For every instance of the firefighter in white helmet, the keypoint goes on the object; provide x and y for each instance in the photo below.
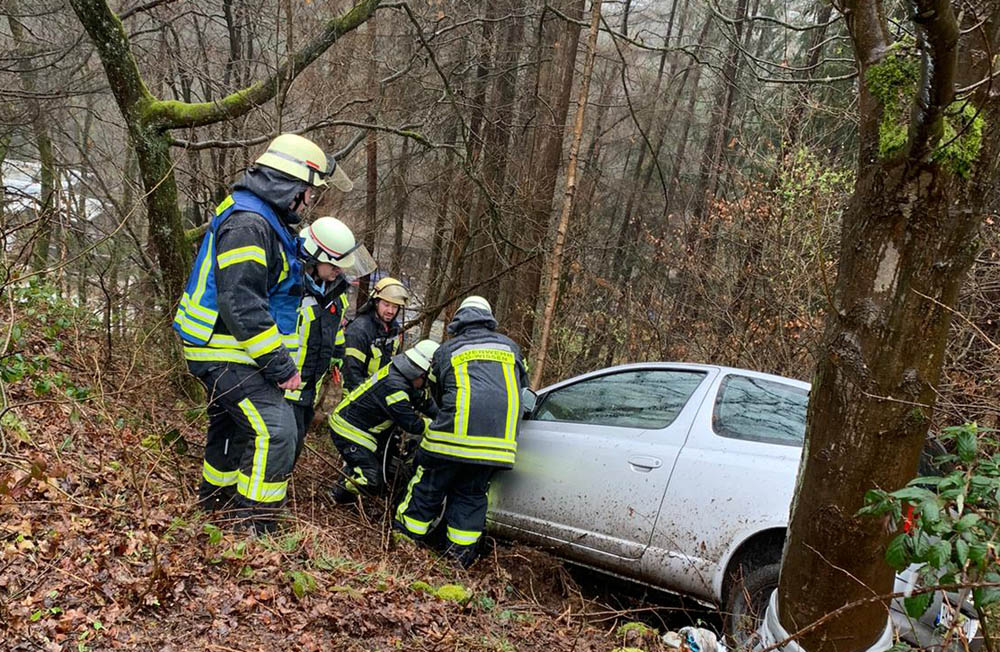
(395, 395)
(237, 319)
(374, 335)
(476, 380)
(333, 260)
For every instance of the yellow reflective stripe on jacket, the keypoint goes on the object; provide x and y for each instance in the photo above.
(463, 452)
(463, 537)
(307, 315)
(263, 343)
(208, 354)
(216, 477)
(344, 429)
(513, 402)
(473, 442)
(284, 267)
(199, 331)
(224, 204)
(229, 342)
(242, 255)
(374, 362)
(396, 397)
(341, 339)
(254, 487)
(200, 312)
(206, 267)
(355, 353)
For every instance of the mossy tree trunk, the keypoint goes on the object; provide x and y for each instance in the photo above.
(149, 120)
(908, 241)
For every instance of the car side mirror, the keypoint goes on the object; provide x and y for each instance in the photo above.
(529, 399)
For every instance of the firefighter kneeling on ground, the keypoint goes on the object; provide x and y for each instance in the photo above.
(362, 421)
(476, 381)
(332, 260)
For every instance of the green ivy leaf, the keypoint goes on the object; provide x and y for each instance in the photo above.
(896, 553)
(916, 605)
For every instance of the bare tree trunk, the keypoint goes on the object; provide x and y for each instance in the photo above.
(554, 85)
(43, 142)
(711, 159)
(399, 212)
(555, 262)
(371, 155)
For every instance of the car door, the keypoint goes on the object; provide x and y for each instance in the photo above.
(595, 457)
(734, 477)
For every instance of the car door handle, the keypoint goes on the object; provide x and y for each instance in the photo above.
(644, 463)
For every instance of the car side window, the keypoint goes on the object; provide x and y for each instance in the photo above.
(755, 409)
(644, 398)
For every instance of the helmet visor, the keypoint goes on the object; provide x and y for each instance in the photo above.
(336, 176)
(355, 263)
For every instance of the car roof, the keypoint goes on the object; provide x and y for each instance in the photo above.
(692, 366)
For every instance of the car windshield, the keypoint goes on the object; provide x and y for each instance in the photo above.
(760, 410)
(643, 398)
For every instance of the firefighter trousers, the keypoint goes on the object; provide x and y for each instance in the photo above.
(462, 487)
(252, 436)
(362, 468)
(303, 418)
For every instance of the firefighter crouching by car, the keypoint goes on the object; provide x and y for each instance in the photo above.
(332, 260)
(391, 397)
(237, 318)
(476, 380)
(373, 337)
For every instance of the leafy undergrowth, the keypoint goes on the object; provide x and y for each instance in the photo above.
(101, 548)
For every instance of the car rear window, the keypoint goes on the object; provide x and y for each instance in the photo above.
(760, 410)
(643, 398)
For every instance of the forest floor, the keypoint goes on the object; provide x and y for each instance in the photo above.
(101, 546)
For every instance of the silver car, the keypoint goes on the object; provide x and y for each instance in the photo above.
(676, 475)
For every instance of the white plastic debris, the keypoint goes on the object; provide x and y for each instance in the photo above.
(694, 639)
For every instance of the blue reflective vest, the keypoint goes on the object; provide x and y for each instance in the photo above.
(199, 305)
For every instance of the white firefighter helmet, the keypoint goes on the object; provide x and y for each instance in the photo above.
(328, 240)
(475, 302)
(422, 353)
(303, 159)
(391, 290)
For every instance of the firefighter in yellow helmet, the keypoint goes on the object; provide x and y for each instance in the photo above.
(374, 335)
(237, 319)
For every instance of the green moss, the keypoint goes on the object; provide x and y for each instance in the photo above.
(421, 587)
(637, 629)
(894, 83)
(453, 593)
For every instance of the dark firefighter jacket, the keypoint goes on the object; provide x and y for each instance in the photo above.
(476, 380)
(382, 400)
(370, 345)
(321, 337)
(252, 270)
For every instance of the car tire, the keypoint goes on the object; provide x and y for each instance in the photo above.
(747, 601)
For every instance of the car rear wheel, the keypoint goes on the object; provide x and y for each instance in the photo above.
(747, 602)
